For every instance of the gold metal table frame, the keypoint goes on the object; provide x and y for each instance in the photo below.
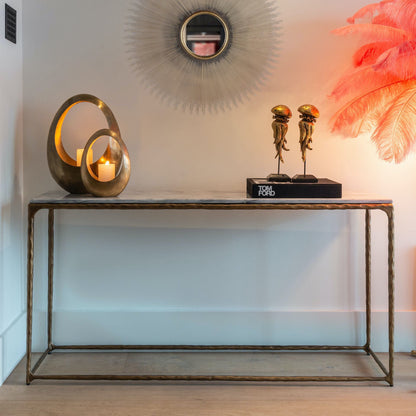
(57, 201)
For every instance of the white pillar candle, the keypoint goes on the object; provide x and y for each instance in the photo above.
(106, 171)
(80, 152)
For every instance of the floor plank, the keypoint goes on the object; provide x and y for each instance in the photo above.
(50, 398)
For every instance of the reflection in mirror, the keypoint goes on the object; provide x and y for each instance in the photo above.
(204, 35)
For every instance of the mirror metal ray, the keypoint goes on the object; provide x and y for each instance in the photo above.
(217, 52)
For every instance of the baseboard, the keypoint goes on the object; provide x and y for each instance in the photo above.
(225, 327)
(12, 346)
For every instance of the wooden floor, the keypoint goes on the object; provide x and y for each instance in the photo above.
(47, 398)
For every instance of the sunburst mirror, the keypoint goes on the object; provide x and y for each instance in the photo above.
(203, 54)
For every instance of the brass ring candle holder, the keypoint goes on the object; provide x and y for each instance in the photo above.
(64, 169)
(109, 175)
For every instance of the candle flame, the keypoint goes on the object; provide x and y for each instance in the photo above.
(104, 162)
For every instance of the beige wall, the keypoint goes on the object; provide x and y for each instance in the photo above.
(217, 266)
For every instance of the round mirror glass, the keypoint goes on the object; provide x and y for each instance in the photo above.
(204, 35)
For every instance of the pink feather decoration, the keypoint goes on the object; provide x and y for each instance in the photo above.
(399, 61)
(396, 130)
(403, 12)
(369, 53)
(373, 32)
(366, 11)
(380, 88)
(362, 113)
(383, 19)
(361, 80)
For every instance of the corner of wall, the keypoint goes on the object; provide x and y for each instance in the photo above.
(12, 287)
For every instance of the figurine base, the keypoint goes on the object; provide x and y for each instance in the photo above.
(304, 179)
(278, 177)
(323, 188)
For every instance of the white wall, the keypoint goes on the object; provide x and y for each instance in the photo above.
(12, 316)
(209, 277)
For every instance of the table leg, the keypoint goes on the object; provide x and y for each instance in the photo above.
(51, 236)
(368, 278)
(390, 216)
(30, 243)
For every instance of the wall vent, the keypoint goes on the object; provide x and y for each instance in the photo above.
(10, 23)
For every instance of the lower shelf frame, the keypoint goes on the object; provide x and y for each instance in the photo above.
(231, 378)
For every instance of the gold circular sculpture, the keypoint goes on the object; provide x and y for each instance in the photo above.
(116, 154)
(63, 167)
(218, 38)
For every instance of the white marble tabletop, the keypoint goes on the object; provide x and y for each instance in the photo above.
(61, 197)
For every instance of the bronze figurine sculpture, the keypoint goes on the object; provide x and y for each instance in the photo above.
(282, 115)
(308, 114)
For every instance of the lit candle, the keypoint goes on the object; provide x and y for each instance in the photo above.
(106, 171)
(80, 152)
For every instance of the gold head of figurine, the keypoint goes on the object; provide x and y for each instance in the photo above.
(282, 115)
(308, 114)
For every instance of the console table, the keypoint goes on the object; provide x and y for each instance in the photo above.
(59, 201)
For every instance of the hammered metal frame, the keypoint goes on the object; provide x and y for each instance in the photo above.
(63, 167)
(387, 208)
(116, 154)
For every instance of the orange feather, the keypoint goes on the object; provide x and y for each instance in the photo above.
(384, 19)
(395, 135)
(365, 11)
(383, 79)
(362, 113)
(368, 54)
(362, 80)
(399, 61)
(403, 12)
(374, 32)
